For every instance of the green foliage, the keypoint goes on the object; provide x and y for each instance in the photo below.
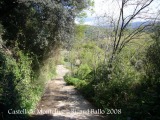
(133, 90)
(151, 82)
(33, 30)
(83, 71)
(45, 73)
(80, 31)
(88, 53)
(16, 80)
(39, 26)
(132, 82)
(71, 81)
(82, 85)
(20, 86)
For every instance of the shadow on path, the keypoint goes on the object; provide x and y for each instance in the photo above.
(64, 102)
(49, 117)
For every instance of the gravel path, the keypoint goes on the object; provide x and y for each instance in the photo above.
(63, 102)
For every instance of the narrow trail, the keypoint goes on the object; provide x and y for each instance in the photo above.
(63, 102)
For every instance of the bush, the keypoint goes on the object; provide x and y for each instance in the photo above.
(20, 86)
(70, 80)
(83, 71)
(15, 80)
(135, 91)
(82, 85)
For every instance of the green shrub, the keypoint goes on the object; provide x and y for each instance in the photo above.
(71, 81)
(85, 87)
(20, 86)
(83, 71)
(15, 79)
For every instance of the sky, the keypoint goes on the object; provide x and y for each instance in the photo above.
(111, 8)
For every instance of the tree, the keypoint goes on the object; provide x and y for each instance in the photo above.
(39, 26)
(120, 34)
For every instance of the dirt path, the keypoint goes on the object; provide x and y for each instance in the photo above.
(63, 102)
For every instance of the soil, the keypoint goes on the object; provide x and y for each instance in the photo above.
(63, 102)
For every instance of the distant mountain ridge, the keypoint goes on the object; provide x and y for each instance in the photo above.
(132, 25)
(137, 24)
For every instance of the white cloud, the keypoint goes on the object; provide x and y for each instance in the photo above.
(111, 8)
(77, 22)
(102, 7)
(89, 23)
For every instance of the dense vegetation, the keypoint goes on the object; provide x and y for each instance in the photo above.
(116, 69)
(133, 84)
(31, 34)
